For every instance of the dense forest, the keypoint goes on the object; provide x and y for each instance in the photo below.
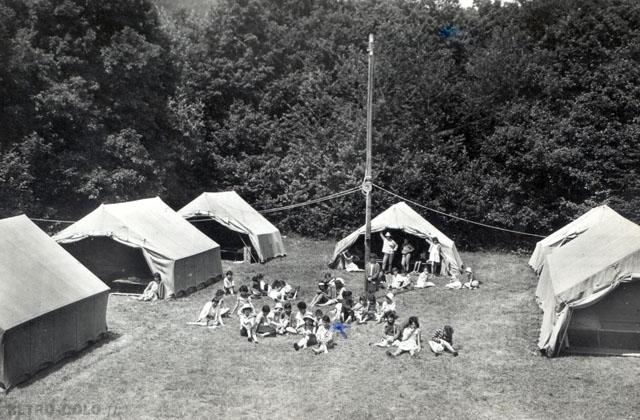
(517, 115)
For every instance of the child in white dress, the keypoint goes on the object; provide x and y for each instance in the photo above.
(424, 280)
(409, 339)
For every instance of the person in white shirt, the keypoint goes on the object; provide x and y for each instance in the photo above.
(153, 291)
(423, 279)
(434, 256)
(389, 247)
(324, 336)
(399, 281)
(388, 306)
(228, 284)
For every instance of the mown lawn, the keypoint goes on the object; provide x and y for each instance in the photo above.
(156, 366)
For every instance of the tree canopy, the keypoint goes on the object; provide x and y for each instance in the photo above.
(517, 115)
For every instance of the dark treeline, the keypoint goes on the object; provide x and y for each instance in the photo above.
(520, 116)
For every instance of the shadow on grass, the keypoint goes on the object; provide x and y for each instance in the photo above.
(52, 367)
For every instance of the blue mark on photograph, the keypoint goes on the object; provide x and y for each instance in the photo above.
(341, 328)
(449, 31)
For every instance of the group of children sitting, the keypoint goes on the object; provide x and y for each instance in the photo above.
(316, 330)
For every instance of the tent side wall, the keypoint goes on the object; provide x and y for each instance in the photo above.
(271, 245)
(28, 347)
(196, 269)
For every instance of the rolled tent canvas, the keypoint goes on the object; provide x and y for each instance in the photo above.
(50, 304)
(582, 273)
(231, 211)
(402, 217)
(569, 232)
(171, 246)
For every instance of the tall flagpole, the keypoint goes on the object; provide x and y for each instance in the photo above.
(367, 174)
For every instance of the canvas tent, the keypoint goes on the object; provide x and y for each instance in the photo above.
(235, 224)
(166, 242)
(50, 304)
(569, 232)
(407, 222)
(589, 291)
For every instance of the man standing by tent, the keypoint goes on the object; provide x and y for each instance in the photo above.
(389, 247)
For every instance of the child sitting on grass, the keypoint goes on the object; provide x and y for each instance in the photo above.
(323, 294)
(371, 311)
(212, 312)
(408, 340)
(242, 298)
(324, 336)
(256, 288)
(228, 284)
(263, 325)
(390, 332)
(276, 318)
(399, 281)
(424, 279)
(308, 332)
(471, 283)
(347, 315)
(248, 323)
(296, 326)
(338, 284)
(454, 283)
(288, 318)
(388, 306)
(442, 341)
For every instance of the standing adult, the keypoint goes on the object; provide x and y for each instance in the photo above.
(389, 247)
(434, 256)
(407, 250)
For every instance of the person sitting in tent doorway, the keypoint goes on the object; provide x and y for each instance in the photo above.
(389, 247)
(375, 275)
(154, 290)
(407, 251)
(421, 262)
(434, 256)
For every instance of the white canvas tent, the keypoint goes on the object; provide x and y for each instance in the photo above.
(583, 280)
(569, 232)
(403, 218)
(170, 245)
(50, 304)
(231, 211)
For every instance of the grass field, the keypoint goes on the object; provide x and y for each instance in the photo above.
(153, 365)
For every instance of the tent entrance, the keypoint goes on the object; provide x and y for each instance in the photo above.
(611, 326)
(420, 244)
(121, 267)
(232, 243)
